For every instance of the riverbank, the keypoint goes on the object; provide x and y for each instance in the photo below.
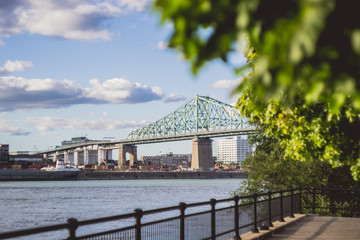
(111, 175)
(37, 175)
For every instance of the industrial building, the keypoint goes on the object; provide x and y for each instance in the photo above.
(166, 160)
(4, 152)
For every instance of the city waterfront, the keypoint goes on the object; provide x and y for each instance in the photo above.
(30, 204)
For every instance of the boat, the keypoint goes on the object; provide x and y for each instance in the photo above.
(60, 167)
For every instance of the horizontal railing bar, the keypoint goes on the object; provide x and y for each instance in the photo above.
(106, 219)
(265, 200)
(246, 204)
(197, 204)
(225, 200)
(224, 208)
(28, 231)
(160, 210)
(159, 221)
(197, 213)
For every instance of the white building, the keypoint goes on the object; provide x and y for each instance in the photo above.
(232, 149)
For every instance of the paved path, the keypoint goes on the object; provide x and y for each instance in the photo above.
(318, 227)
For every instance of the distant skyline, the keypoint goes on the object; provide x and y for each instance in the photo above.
(96, 69)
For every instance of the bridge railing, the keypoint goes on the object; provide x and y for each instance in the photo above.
(214, 219)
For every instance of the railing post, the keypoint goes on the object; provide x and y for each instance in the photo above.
(281, 207)
(270, 213)
(236, 218)
(213, 219)
(138, 216)
(72, 228)
(300, 202)
(313, 200)
(292, 203)
(255, 228)
(182, 206)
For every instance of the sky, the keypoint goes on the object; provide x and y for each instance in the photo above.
(97, 69)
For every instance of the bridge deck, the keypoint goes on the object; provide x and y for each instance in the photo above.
(316, 227)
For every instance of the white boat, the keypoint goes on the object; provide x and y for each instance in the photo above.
(60, 167)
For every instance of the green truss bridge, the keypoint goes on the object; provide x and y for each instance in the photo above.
(201, 116)
(199, 119)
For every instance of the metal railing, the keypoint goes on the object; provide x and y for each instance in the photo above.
(332, 201)
(214, 219)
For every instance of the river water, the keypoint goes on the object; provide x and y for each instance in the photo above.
(33, 204)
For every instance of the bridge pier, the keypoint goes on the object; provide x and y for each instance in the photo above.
(132, 150)
(66, 157)
(76, 158)
(56, 157)
(202, 154)
(87, 155)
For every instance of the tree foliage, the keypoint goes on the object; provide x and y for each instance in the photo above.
(304, 56)
(270, 170)
(313, 45)
(309, 132)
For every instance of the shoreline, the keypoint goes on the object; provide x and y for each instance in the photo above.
(37, 175)
(118, 175)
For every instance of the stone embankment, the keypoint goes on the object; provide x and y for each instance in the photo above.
(98, 175)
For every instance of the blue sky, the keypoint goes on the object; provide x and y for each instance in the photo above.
(93, 68)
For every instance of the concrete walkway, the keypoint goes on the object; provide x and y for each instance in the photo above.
(310, 227)
(318, 227)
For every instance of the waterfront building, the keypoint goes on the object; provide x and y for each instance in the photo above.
(25, 156)
(26, 159)
(4, 152)
(232, 150)
(166, 160)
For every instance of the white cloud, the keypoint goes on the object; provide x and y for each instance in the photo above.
(174, 97)
(6, 126)
(118, 90)
(70, 19)
(227, 84)
(15, 66)
(138, 5)
(161, 45)
(21, 93)
(45, 124)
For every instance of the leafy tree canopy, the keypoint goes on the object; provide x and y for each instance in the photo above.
(304, 88)
(269, 169)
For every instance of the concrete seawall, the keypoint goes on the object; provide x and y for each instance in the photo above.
(37, 175)
(98, 175)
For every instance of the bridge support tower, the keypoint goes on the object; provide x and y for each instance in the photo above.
(202, 154)
(132, 150)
